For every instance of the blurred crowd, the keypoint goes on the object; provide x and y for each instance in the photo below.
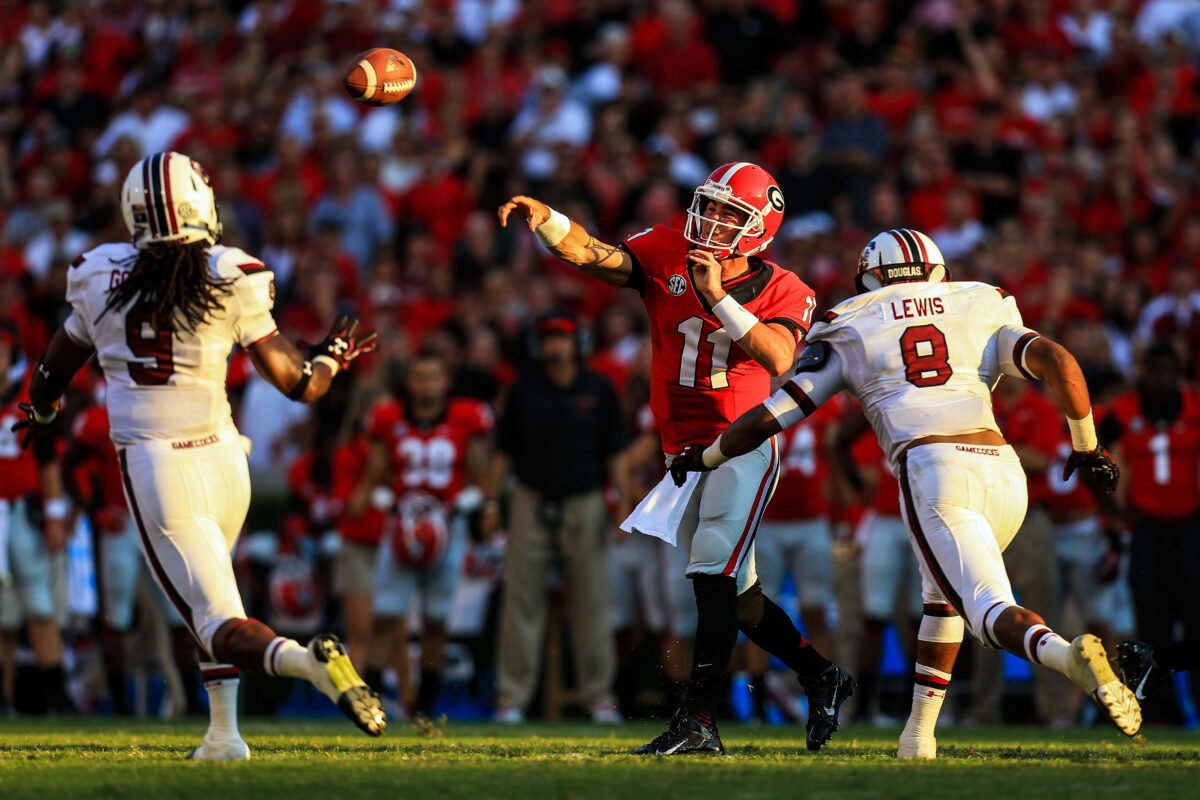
(1051, 147)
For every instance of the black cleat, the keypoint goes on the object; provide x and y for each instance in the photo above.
(1139, 671)
(686, 734)
(826, 693)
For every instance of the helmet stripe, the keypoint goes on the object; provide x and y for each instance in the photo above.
(903, 245)
(156, 194)
(912, 242)
(733, 170)
(166, 179)
(147, 198)
(917, 237)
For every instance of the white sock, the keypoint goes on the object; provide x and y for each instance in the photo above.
(929, 691)
(221, 682)
(1044, 646)
(287, 657)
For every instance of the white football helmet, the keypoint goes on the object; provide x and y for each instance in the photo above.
(168, 197)
(900, 256)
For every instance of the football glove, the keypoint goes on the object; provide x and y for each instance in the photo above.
(31, 428)
(1104, 470)
(344, 342)
(691, 459)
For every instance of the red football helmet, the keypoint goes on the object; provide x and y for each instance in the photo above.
(747, 187)
(421, 535)
(295, 592)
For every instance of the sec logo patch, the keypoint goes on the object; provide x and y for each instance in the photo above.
(677, 285)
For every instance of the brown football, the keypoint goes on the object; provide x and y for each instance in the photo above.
(380, 76)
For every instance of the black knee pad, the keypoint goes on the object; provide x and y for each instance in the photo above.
(750, 606)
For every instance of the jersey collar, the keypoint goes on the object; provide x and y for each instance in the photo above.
(743, 288)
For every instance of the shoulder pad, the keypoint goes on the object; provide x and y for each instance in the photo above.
(814, 357)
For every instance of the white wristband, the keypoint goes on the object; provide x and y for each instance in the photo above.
(46, 419)
(1083, 434)
(553, 230)
(712, 455)
(737, 320)
(328, 361)
(57, 508)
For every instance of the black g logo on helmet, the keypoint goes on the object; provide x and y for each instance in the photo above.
(775, 198)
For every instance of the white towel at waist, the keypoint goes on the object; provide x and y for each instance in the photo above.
(661, 511)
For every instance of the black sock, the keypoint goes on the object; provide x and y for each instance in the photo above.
(116, 691)
(758, 693)
(373, 677)
(428, 691)
(1178, 656)
(716, 635)
(864, 692)
(776, 634)
(54, 688)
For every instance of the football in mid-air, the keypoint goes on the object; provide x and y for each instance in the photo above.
(380, 76)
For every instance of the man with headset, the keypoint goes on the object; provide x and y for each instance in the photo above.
(559, 432)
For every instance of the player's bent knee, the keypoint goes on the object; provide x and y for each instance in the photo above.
(942, 630)
(750, 607)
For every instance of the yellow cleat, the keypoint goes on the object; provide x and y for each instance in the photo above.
(1091, 671)
(337, 679)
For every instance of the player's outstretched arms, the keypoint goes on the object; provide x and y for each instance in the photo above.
(305, 375)
(57, 366)
(1050, 361)
(742, 436)
(569, 241)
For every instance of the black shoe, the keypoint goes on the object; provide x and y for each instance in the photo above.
(1139, 671)
(826, 693)
(686, 734)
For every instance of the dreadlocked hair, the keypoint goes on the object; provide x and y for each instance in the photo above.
(170, 277)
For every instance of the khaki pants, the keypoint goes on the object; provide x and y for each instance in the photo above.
(582, 544)
(1033, 571)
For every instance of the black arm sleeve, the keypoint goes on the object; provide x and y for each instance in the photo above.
(637, 276)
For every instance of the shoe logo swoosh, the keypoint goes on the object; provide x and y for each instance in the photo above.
(1138, 691)
(673, 749)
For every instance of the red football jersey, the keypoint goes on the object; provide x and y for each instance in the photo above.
(430, 457)
(18, 468)
(1064, 497)
(803, 490)
(1162, 462)
(101, 469)
(349, 464)
(700, 380)
(866, 452)
(1036, 422)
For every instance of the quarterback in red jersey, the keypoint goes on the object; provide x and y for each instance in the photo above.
(432, 447)
(722, 322)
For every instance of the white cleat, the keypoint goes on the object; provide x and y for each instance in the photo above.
(221, 749)
(508, 715)
(1090, 670)
(916, 747)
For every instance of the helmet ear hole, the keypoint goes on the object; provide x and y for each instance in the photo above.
(867, 282)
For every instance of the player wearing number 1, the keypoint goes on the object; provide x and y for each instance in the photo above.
(922, 355)
(161, 314)
(723, 321)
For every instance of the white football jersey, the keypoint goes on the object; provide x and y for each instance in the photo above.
(922, 358)
(164, 381)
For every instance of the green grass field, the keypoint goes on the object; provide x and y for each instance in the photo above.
(327, 759)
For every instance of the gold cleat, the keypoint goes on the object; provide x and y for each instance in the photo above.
(338, 680)
(1091, 671)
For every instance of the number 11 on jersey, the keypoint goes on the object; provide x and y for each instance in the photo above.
(689, 363)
